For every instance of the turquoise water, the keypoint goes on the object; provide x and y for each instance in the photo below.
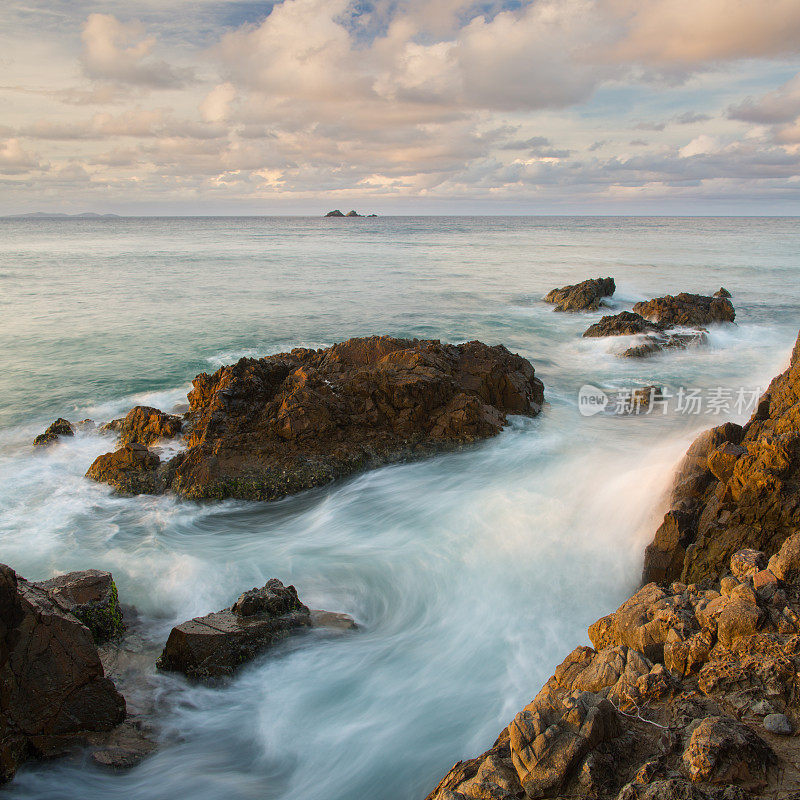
(471, 575)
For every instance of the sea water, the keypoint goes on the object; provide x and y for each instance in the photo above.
(471, 575)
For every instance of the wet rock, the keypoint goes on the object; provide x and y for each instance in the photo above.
(91, 596)
(61, 427)
(146, 425)
(264, 428)
(664, 341)
(625, 323)
(722, 750)
(722, 292)
(217, 644)
(686, 309)
(778, 724)
(584, 296)
(133, 469)
(54, 690)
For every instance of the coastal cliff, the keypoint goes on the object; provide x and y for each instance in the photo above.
(690, 690)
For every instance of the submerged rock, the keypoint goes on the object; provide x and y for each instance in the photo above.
(53, 691)
(217, 644)
(91, 596)
(263, 428)
(687, 309)
(664, 341)
(584, 296)
(61, 427)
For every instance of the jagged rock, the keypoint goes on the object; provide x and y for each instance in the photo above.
(549, 741)
(722, 750)
(785, 564)
(670, 789)
(584, 296)
(53, 690)
(133, 469)
(61, 427)
(217, 644)
(623, 324)
(778, 724)
(686, 309)
(352, 213)
(334, 213)
(746, 563)
(722, 292)
(722, 460)
(91, 596)
(757, 506)
(146, 425)
(264, 428)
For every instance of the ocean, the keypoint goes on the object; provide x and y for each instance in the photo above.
(471, 574)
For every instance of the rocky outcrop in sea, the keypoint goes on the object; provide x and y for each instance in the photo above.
(584, 296)
(264, 428)
(690, 690)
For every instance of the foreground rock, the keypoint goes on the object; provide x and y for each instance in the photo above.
(61, 427)
(691, 689)
(91, 596)
(53, 691)
(584, 296)
(217, 644)
(264, 428)
(677, 698)
(736, 488)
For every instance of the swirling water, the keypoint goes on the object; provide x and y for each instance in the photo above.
(471, 574)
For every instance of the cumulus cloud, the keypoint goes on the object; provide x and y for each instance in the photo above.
(782, 105)
(121, 52)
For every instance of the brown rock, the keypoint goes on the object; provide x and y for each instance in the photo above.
(785, 564)
(686, 309)
(53, 689)
(584, 296)
(61, 427)
(217, 644)
(623, 324)
(747, 562)
(264, 428)
(722, 460)
(664, 341)
(132, 469)
(147, 425)
(722, 750)
(91, 596)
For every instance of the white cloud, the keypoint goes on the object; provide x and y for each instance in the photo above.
(121, 52)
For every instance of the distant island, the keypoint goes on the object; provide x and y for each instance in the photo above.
(48, 215)
(337, 213)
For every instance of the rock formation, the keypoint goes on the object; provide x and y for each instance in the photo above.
(691, 689)
(687, 309)
(264, 428)
(656, 319)
(584, 296)
(91, 596)
(61, 427)
(334, 213)
(217, 644)
(53, 691)
(686, 693)
(736, 488)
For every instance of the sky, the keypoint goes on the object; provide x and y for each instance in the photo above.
(400, 106)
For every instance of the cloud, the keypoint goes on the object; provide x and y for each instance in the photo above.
(14, 160)
(113, 51)
(782, 105)
(687, 33)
